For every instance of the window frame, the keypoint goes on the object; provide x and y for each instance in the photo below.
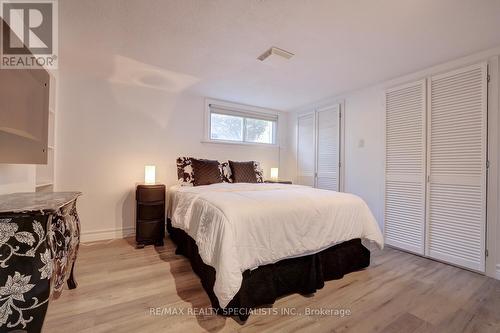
(245, 112)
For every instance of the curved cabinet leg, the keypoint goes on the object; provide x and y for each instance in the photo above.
(71, 280)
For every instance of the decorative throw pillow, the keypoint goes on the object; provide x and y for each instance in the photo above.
(185, 171)
(225, 170)
(206, 172)
(243, 172)
(258, 172)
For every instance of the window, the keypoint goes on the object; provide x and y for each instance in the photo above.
(228, 124)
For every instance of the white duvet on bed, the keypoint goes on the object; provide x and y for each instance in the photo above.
(243, 226)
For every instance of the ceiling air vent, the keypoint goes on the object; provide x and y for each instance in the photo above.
(275, 51)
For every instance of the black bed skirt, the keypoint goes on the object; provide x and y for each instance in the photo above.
(263, 285)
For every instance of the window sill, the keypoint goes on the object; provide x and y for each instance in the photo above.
(238, 143)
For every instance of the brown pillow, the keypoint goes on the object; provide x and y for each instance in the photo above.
(206, 172)
(243, 172)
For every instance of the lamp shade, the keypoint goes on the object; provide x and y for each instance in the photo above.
(274, 173)
(149, 174)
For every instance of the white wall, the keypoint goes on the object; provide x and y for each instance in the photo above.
(364, 148)
(364, 166)
(17, 178)
(123, 102)
(108, 131)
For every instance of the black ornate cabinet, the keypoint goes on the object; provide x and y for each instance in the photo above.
(39, 239)
(150, 215)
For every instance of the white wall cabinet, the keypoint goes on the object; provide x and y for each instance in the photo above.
(45, 173)
(457, 148)
(305, 150)
(405, 167)
(328, 148)
(436, 151)
(319, 148)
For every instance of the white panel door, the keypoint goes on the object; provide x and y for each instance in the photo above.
(405, 167)
(328, 148)
(457, 128)
(305, 150)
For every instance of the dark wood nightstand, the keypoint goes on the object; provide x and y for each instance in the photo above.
(150, 215)
(278, 181)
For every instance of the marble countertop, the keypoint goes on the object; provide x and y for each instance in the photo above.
(28, 202)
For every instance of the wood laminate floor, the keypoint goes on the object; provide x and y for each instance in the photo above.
(120, 287)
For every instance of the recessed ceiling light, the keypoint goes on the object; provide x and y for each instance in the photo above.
(275, 51)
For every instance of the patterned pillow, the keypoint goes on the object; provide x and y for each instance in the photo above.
(225, 170)
(185, 172)
(206, 172)
(258, 172)
(243, 172)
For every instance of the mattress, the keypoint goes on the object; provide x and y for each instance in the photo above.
(243, 226)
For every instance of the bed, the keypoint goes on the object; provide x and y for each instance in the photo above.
(251, 243)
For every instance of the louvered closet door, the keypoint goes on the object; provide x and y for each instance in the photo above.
(457, 129)
(305, 150)
(405, 167)
(328, 148)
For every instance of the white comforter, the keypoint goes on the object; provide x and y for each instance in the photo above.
(242, 226)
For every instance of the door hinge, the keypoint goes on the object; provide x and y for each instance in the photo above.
(340, 114)
(428, 178)
(488, 78)
(487, 164)
(340, 164)
(486, 253)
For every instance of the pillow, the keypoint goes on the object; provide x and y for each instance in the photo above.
(243, 172)
(185, 171)
(258, 172)
(206, 172)
(225, 170)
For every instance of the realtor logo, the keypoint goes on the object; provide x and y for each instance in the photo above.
(29, 34)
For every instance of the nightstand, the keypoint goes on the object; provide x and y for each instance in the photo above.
(150, 215)
(278, 181)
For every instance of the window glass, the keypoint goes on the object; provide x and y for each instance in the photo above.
(225, 127)
(259, 130)
(229, 125)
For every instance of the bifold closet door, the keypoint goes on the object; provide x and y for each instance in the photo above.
(305, 150)
(456, 194)
(328, 148)
(405, 167)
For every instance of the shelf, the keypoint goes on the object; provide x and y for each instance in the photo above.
(49, 187)
(44, 184)
(18, 132)
(44, 173)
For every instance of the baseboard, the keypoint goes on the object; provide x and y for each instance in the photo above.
(91, 236)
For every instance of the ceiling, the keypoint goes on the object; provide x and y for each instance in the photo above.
(209, 47)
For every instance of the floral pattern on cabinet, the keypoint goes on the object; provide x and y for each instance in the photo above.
(38, 248)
